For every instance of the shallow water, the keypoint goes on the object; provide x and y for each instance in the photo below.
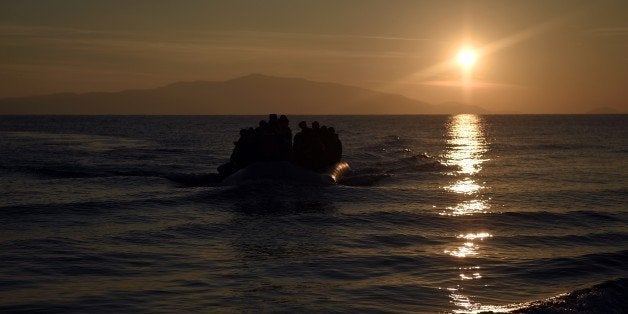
(442, 214)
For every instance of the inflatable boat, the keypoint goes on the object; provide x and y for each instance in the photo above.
(288, 171)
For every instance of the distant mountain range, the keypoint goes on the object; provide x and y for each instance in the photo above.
(251, 94)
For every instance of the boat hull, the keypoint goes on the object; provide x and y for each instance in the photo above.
(288, 171)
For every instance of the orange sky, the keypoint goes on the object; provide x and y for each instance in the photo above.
(539, 56)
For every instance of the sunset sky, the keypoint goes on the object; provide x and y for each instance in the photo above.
(533, 56)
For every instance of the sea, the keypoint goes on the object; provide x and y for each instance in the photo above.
(441, 214)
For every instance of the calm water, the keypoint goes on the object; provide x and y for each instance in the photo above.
(443, 214)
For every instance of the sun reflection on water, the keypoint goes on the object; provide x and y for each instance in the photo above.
(468, 247)
(473, 236)
(467, 143)
(464, 186)
(470, 207)
(466, 149)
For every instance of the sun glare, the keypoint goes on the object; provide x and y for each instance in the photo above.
(467, 57)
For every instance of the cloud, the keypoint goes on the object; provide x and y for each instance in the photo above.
(608, 31)
(472, 84)
(202, 44)
(340, 36)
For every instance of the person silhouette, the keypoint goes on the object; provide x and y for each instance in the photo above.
(285, 137)
(317, 148)
(301, 146)
(313, 148)
(335, 146)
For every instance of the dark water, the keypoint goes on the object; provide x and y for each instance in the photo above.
(443, 214)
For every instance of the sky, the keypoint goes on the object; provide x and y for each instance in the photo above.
(533, 56)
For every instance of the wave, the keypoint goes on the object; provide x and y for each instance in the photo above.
(521, 220)
(364, 179)
(549, 270)
(365, 176)
(606, 297)
(69, 257)
(590, 239)
(565, 146)
(372, 173)
(194, 180)
(89, 207)
(419, 163)
(577, 194)
(271, 198)
(394, 154)
(390, 143)
(547, 146)
(578, 217)
(79, 172)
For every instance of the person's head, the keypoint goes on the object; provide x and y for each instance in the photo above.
(303, 125)
(272, 118)
(331, 130)
(315, 125)
(283, 121)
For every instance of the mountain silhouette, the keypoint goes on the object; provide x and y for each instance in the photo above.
(251, 94)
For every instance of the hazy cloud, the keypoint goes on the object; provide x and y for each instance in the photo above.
(473, 84)
(609, 31)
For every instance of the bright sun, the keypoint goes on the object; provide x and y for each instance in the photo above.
(467, 57)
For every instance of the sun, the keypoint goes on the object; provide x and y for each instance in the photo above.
(466, 58)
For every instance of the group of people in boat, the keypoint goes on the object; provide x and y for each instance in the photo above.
(314, 147)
